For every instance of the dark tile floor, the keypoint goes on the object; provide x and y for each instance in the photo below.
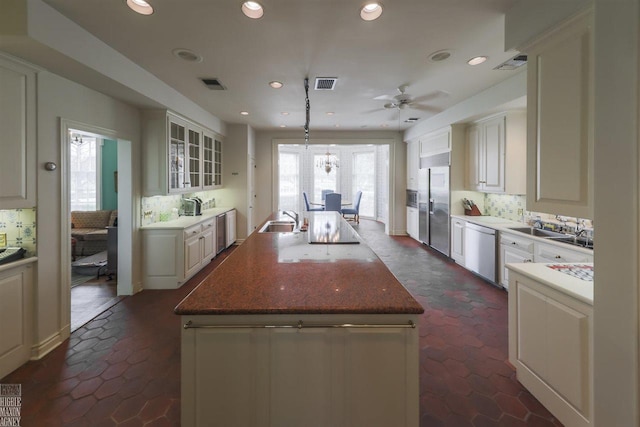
(123, 368)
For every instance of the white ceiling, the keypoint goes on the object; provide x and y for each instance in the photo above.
(309, 38)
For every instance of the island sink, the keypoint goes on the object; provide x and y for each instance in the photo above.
(277, 226)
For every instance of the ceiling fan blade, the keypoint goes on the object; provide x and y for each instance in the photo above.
(426, 108)
(430, 96)
(391, 105)
(385, 98)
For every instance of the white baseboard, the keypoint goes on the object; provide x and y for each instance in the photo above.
(38, 351)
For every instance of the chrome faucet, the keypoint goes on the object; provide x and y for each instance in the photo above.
(580, 227)
(294, 217)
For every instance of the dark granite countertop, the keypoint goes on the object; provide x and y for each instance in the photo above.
(282, 273)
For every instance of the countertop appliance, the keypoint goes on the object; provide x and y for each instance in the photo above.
(480, 250)
(192, 206)
(433, 201)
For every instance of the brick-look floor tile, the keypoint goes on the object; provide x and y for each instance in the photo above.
(118, 370)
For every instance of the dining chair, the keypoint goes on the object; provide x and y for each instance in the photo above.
(355, 211)
(325, 192)
(332, 202)
(306, 203)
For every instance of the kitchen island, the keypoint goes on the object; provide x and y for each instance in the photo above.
(290, 333)
(551, 336)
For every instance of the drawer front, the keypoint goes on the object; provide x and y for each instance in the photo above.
(516, 242)
(207, 225)
(194, 230)
(552, 253)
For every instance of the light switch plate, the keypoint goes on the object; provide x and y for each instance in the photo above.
(3, 240)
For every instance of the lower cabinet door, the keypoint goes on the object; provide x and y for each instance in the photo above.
(192, 255)
(208, 246)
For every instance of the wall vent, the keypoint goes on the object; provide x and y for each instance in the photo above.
(213, 84)
(513, 63)
(411, 120)
(325, 83)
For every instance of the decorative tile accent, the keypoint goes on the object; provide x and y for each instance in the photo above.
(165, 208)
(20, 227)
(505, 205)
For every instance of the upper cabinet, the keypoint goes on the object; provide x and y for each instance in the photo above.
(18, 138)
(559, 122)
(496, 154)
(179, 156)
(436, 143)
(413, 161)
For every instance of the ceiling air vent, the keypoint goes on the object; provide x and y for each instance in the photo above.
(213, 84)
(513, 63)
(325, 83)
(411, 120)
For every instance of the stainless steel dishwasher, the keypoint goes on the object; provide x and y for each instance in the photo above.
(480, 251)
(221, 232)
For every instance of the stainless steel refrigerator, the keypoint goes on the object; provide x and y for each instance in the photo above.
(433, 201)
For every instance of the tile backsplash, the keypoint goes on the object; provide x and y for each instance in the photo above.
(19, 225)
(165, 208)
(505, 206)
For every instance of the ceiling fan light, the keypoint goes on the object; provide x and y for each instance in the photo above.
(252, 9)
(477, 60)
(140, 6)
(275, 84)
(371, 11)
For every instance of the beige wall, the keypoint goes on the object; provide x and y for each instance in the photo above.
(60, 98)
(397, 169)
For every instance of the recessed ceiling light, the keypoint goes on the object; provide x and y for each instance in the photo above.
(337, 125)
(252, 9)
(371, 11)
(285, 113)
(244, 113)
(440, 55)
(187, 55)
(384, 125)
(283, 126)
(275, 84)
(140, 6)
(477, 60)
(330, 113)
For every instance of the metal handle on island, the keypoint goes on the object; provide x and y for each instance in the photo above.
(300, 325)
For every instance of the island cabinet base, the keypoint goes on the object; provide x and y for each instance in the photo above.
(328, 370)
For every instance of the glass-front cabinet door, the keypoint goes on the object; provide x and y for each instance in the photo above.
(195, 158)
(207, 161)
(217, 164)
(178, 178)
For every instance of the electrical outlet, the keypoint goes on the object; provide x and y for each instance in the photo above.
(3, 240)
(521, 212)
(147, 214)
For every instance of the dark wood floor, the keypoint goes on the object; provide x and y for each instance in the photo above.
(123, 367)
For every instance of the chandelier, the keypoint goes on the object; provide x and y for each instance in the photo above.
(328, 163)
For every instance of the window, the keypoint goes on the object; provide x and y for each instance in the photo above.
(364, 179)
(321, 179)
(83, 173)
(289, 165)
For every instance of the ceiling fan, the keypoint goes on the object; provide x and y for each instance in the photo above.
(403, 100)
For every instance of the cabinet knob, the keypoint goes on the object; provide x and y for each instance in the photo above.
(513, 243)
(558, 257)
(528, 260)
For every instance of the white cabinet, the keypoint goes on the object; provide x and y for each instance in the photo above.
(18, 125)
(553, 253)
(179, 156)
(16, 317)
(513, 249)
(198, 247)
(550, 344)
(413, 164)
(412, 222)
(231, 227)
(457, 240)
(211, 161)
(173, 256)
(257, 376)
(435, 143)
(496, 154)
(559, 122)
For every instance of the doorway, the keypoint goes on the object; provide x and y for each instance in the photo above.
(98, 270)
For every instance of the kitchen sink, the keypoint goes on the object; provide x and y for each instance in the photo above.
(277, 227)
(557, 237)
(538, 232)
